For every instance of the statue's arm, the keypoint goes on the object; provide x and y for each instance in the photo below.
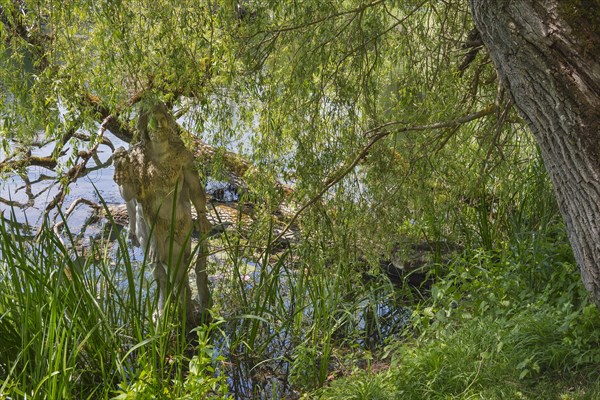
(127, 192)
(127, 189)
(197, 196)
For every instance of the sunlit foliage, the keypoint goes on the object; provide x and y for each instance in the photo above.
(369, 110)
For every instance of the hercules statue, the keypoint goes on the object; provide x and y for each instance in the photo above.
(157, 179)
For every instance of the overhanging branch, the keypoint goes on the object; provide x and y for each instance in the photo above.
(76, 171)
(376, 134)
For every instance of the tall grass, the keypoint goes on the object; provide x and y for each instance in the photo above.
(288, 309)
(79, 326)
(75, 325)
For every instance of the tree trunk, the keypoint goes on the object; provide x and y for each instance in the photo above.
(547, 54)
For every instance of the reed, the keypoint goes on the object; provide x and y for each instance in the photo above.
(76, 325)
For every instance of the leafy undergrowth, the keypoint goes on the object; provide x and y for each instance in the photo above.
(530, 356)
(513, 323)
(507, 318)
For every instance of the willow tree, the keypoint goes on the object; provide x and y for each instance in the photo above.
(348, 100)
(379, 107)
(547, 54)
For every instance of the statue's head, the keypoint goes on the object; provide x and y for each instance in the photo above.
(156, 124)
(119, 155)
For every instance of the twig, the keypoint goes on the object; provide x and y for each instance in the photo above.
(70, 210)
(75, 172)
(86, 138)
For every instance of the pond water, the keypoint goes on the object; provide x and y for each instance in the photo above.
(26, 196)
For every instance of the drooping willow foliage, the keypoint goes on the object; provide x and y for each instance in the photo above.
(366, 106)
(388, 123)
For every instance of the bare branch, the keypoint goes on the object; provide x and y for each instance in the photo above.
(110, 120)
(13, 203)
(70, 210)
(46, 162)
(376, 134)
(86, 138)
(75, 172)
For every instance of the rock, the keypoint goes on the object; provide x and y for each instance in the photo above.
(412, 263)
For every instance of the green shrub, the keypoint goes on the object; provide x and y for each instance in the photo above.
(512, 322)
(486, 357)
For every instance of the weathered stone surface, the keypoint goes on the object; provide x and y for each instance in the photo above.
(159, 184)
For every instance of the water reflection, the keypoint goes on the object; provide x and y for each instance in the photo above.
(29, 192)
(252, 374)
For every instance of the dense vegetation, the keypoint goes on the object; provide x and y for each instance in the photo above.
(389, 123)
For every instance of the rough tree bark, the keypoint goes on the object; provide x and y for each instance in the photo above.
(547, 53)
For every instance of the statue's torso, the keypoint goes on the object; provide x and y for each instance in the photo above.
(158, 180)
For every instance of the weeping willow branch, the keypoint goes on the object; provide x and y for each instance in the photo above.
(289, 28)
(376, 134)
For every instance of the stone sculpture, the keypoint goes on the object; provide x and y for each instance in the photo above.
(159, 183)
